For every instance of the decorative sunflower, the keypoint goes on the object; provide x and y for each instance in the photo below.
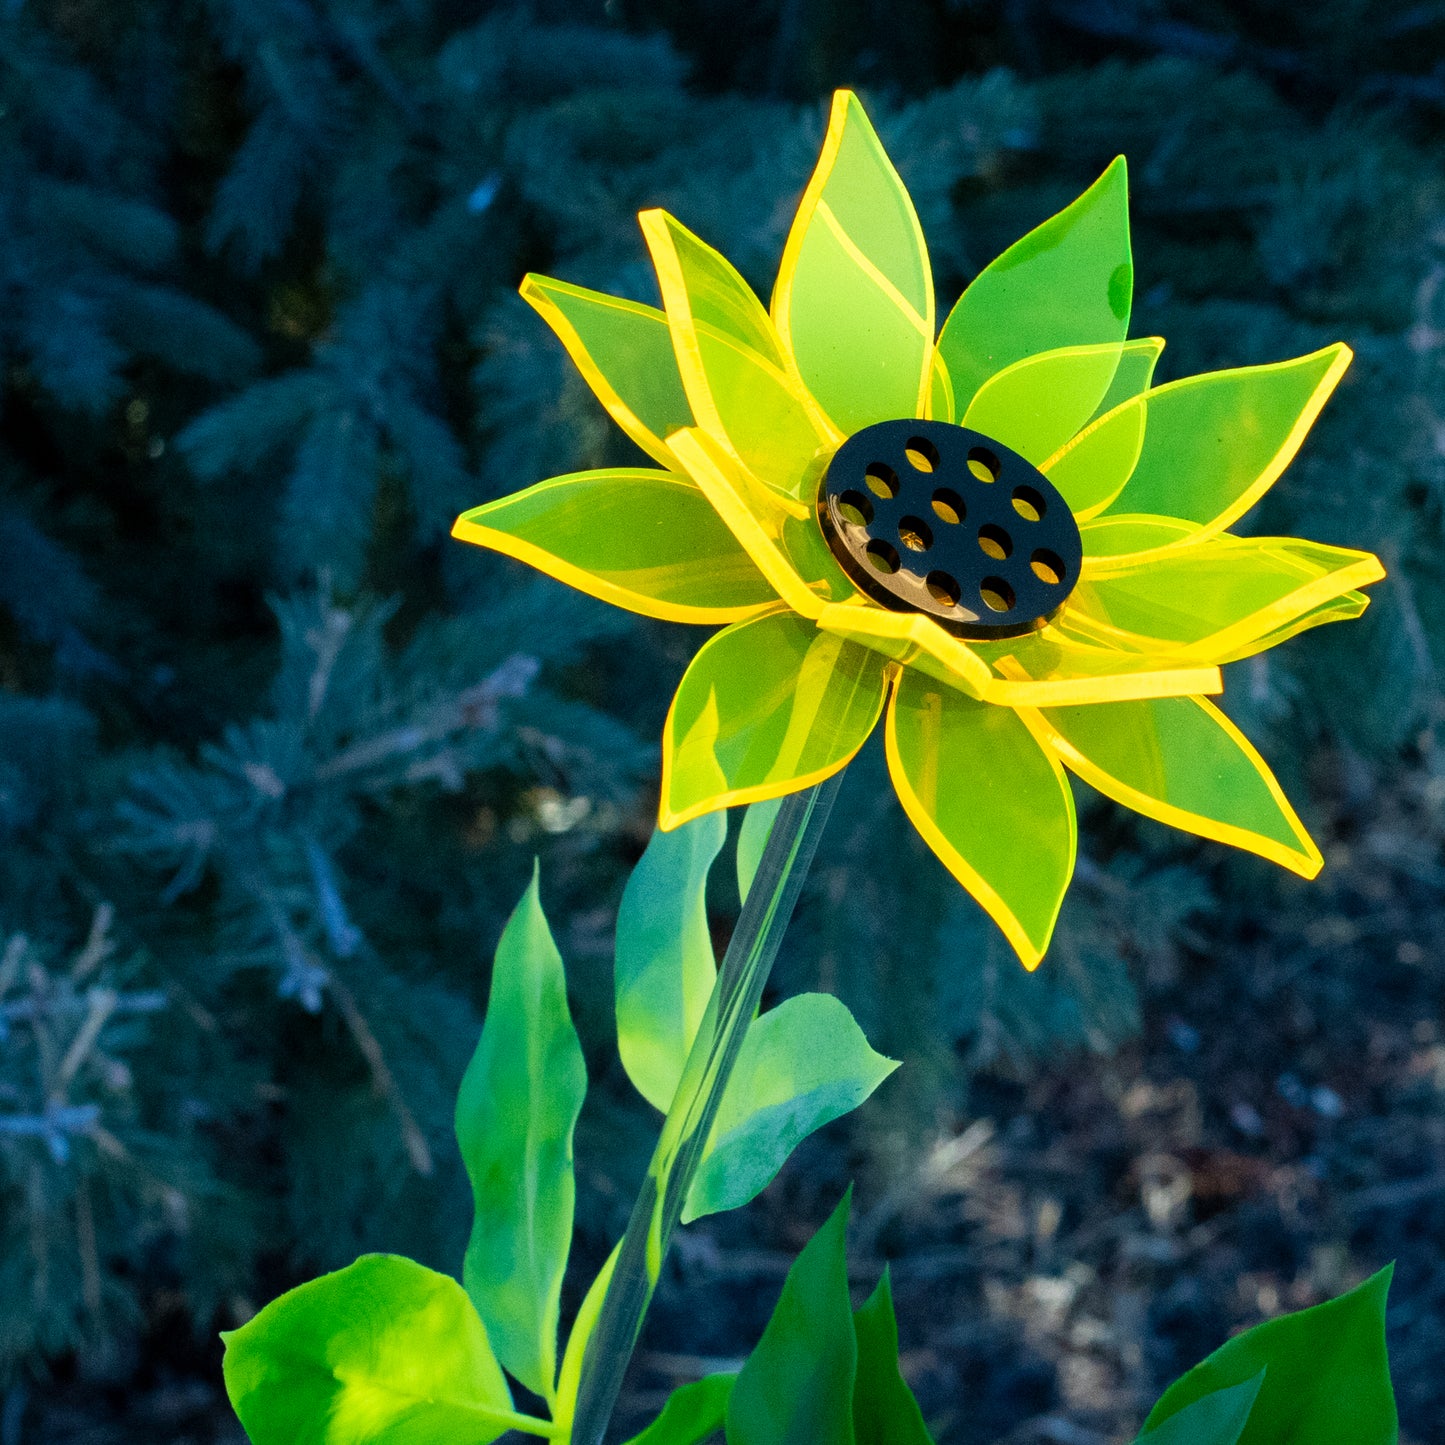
(1007, 537)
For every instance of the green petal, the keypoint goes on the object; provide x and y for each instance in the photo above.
(1180, 761)
(1344, 608)
(647, 541)
(767, 707)
(992, 804)
(732, 365)
(1069, 282)
(1205, 602)
(1215, 443)
(1036, 405)
(1127, 534)
(624, 351)
(1090, 468)
(1134, 375)
(854, 296)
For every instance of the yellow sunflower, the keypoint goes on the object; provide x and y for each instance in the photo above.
(1006, 536)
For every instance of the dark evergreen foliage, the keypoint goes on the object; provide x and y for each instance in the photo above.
(275, 756)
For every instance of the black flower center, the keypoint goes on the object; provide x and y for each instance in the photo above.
(929, 517)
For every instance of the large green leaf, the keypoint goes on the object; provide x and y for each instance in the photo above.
(692, 1414)
(1327, 1375)
(1218, 1418)
(381, 1350)
(797, 1386)
(516, 1110)
(664, 963)
(884, 1410)
(801, 1066)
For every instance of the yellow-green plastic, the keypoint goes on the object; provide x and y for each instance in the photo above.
(647, 541)
(732, 365)
(854, 295)
(1214, 444)
(624, 352)
(992, 804)
(745, 407)
(1181, 761)
(1205, 601)
(1069, 282)
(766, 707)
(1038, 404)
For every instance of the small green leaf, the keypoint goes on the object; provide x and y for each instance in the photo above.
(752, 839)
(692, 1414)
(516, 1110)
(801, 1066)
(665, 968)
(383, 1349)
(1327, 1380)
(1218, 1418)
(797, 1386)
(884, 1410)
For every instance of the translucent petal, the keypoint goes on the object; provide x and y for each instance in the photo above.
(1183, 762)
(1036, 405)
(1069, 282)
(732, 366)
(1339, 609)
(854, 295)
(992, 804)
(1205, 602)
(780, 535)
(1114, 536)
(647, 541)
(766, 707)
(1052, 667)
(1215, 443)
(1134, 374)
(624, 352)
(909, 638)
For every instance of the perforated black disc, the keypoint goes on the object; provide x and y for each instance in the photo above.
(925, 516)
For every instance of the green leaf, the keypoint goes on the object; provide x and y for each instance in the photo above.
(752, 839)
(516, 1110)
(665, 968)
(1069, 282)
(1327, 1380)
(801, 1066)
(1218, 1418)
(383, 1349)
(797, 1386)
(692, 1413)
(884, 1410)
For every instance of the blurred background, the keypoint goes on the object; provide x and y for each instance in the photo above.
(276, 756)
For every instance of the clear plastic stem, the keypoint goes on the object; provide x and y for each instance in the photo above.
(735, 997)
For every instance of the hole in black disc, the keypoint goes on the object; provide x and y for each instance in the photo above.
(882, 480)
(854, 507)
(995, 542)
(915, 534)
(997, 595)
(984, 464)
(943, 588)
(948, 506)
(1047, 566)
(1029, 504)
(882, 556)
(922, 454)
